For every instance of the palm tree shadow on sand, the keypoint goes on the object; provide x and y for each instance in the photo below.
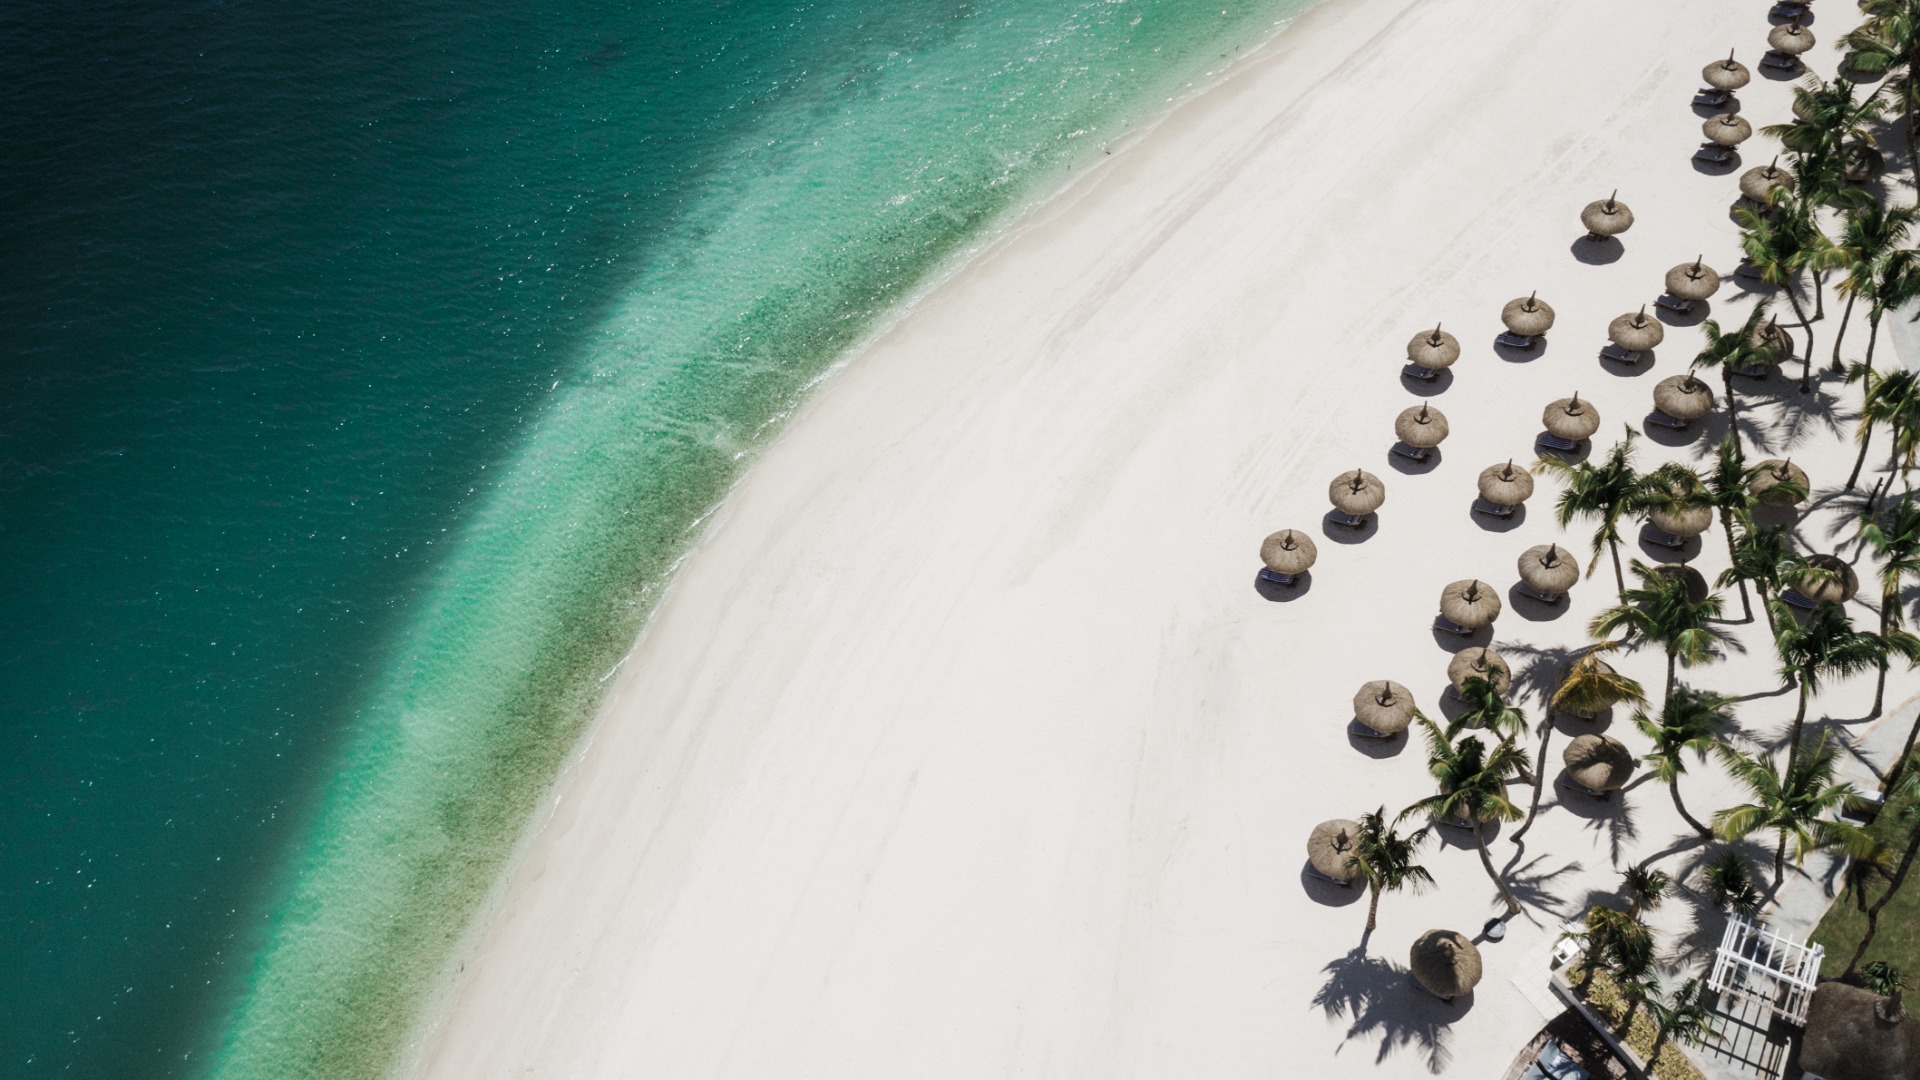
(1378, 999)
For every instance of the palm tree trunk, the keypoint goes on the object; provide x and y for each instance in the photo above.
(1866, 438)
(1672, 659)
(1819, 302)
(1779, 864)
(1893, 886)
(1913, 142)
(1673, 789)
(1806, 359)
(1906, 754)
(1733, 406)
(1373, 908)
(1840, 335)
(1486, 860)
(1799, 720)
(1619, 576)
(1866, 427)
(1726, 526)
(1887, 602)
(1539, 775)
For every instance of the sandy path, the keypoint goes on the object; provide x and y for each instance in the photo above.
(965, 747)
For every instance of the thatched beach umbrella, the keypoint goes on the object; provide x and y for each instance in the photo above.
(1433, 349)
(1693, 281)
(1791, 39)
(1328, 847)
(1727, 129)
(1728, 74)
(1288, 552)
(1683, 397)
(1357, 492)
(1505, 485)
(1684, 522)
(1694, 581)
(1527, 316)
(1422, 426)
(1549, 569)
(1863, 162)
(1480, 663)
(1831, 580)
(1779, 483)
(1385, 706)
(1470, 604)
(1600, 764)
(1570, 419)
(1445, 964)
(1636, 331)
(1606, 217)
(1756, 182)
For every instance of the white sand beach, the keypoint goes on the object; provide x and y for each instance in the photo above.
(965, 745)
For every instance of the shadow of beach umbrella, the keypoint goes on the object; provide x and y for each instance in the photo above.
(1636, 331)
(1549, 569)
(1756, 182)
(1693, 281)
(1830, 581)
(1288, 552)
(1328, 847)
(1433, 349)
(1695, 582)
(1727, 129)
(1728, 74)
(1791, 39)
(1480, 663)
(1570, 419)
(1470, 604)
(1683, 397)
(1505, 485)
(1357, 492)
(1385, 706)
(1600, 764)
(1607, 217)
(1528, 316)
(1779, 483)
(1422, 426)
(1445, 964)
(1683, 522)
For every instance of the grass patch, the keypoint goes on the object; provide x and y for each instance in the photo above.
(1898, 940)
(1607, 1000)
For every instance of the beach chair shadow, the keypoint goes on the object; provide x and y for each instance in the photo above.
(1403, 460)
(1497, 523)
(1525, 604)
(1340, 533)
(1717, 166)
(1327, 893)
(1515, 354)
(1657, 428)
(1376, 746)
(1653, 545)
(1277, 593)
(1429, 387)
(1621, 364)
(1698, 312)
(1602, 252)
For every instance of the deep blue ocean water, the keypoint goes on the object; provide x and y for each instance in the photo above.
(365, 369)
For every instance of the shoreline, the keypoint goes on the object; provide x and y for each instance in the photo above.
(1054, 460)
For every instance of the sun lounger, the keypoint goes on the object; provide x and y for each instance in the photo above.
(1415, 371)
(1441, 622)
(1780, 61)
(1715, 153)
(1619, 355)
(1555, 1062)
(1665, 421)
(1674, 303)
(1663, 538)
(1361, 730)
(1805, 603)
(1525, 589)
(1710, 97)
(1514, 341)
(1492, 509)
(1330, 880)
(1351, 521)
(1276, 577)
(1747, 270)
(1754, 371)
(1555, 442)
(1411, 453)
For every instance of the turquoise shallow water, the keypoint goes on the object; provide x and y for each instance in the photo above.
(367, 369)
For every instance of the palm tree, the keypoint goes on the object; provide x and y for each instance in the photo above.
(1603, 492)
(1794, 804)
(1886, 980)
(1905, 788)
(1888, 43)
(1473, 789)
(1869, 236)
(1729, 882)
(1487, 708)
(1615, 940)
(1890, 400)
(1691, 720)
(1757, 555)
(1683, 1015)
(1383, 859)
(1591, 685)
(1783, 246)
(1746, 347)
(1661, 611)
(1894, 536)
(1729, 489)
(1824, 645)
(1644, 889)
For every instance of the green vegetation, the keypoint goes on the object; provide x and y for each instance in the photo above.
(1898, 939)
(1611, 1004)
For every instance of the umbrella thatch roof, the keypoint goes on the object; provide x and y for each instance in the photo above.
(1549, 568)
(1831, 580)
(1696, 584)
(1756, 182)
(1385, 706)
(1728, 74)
(1693, 281)
(1863, 162)
(1636, 330)
(1598, 762)
(1357, 492)
(1328, 847)
(1571, 419)
(1422, 426)
(1433, 349)
(1683, 522)
(1683, 397)
(1470, 603)
(1445, 963)
(1770, 475)
(1792, 39)
(1505, 485)
(1772, 336)
(1527, 316)
(1479, 663)
(1727, 129)
(1607, 217)
(1288, 551)
(1847, 1038)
